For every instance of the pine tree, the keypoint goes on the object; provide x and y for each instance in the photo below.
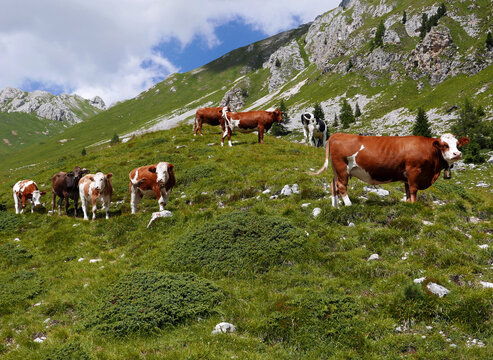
(280, 129)
(318, 112)
(83, 152)
(489, 40)
(378, 39)
(422, 29)
(442, 10)
(336, 121)
(346, 116)
(357, 111)
(115, 139)
(404, 17)
(349, 65)
(421, 125)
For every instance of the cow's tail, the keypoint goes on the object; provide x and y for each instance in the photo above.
(326, 163)
(195, 123)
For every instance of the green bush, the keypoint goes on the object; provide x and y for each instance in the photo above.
(238, 244)
(9, 221)
(473, 311)
(13, 255)
(321, 320)
(68, 351)
(17, 288)
(145, 301)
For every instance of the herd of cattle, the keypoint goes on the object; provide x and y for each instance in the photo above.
(417, 161)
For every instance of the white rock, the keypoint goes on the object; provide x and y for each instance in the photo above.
(438, 290)
(17, 239)
(486, 284)
(305, 205)
(211, 144)
(419, 280)
(95, 260)
(80, 259)
(295, 189)
(406, 254)
(474, 220)
(490, 160)
(159, 214)
(223, 328)
(75, 225)
(484, 246)
(316, 212)
(482, 184)
(351, 224)
(286, 190)
(429, 327)
(37, 304)
(427, 223)
(379, 192)
(47, 320)
(453, 345)
(373, 257)
(39, 339)
(266, 191)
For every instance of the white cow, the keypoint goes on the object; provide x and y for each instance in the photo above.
(26, 191)
(94, 188)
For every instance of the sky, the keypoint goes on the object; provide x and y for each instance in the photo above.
(118, 48)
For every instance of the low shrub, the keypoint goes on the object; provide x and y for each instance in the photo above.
(9, 221)
(321, 320)
(145, 301)
(11, 254)
(70, 350)
(239, 243)
(17, 288)
(473, 311)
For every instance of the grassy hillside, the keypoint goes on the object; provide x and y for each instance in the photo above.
(294, 286)
(19, 130)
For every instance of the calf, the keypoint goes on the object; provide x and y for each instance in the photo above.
(94, 188)
(249, 121)
(157, 180)
(415, 160)
(211, 116)
(26, 191)
(66, 186)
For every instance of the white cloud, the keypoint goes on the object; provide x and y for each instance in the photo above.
(96, 47)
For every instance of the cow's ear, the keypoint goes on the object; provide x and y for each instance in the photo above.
(91, 178)
(85, 171)
(43, 192)
(71, 174)
(462, 141)
(109, 175)
(152, 169)
(437, 144)
(170, 166)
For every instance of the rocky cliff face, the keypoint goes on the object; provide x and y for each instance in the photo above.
(284, 64)
(69, 108)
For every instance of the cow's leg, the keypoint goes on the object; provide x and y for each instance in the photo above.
(333, 190)
(106, 203)
(305, 134)
(94, 207)
(225, 132)
(83, 203)
(412, 181)
(16, 202)
(66, 205)
(53, 199)
(408, 192)
(261, 134)
(164, 199)
(60, 200)
(341, 180)
(32, 206)
(135, 197)
(76, 205)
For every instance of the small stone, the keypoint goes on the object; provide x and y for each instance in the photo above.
(80, 259)
(453, 345)
(427, 223)
(305, 205)
(183, 196)
(47, 320)
(419, 280)
(211, 144)
(75, 225)
(482, 184)
(351, 224)
(474, 220)
(429, 327)
(286, 190)
(406, 254)
(223, 328)
(37, 304)
(316, 212)
(486, 284)
(94, 260)
(39, 340)
(484, 246)
(438, 290)
(373, 257)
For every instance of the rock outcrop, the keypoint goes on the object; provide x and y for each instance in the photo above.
(69, 108)
(236, 97)
(284, 64)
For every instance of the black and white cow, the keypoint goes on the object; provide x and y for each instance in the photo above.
(314, 129)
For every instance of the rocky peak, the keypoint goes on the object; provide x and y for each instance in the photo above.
(69, 108)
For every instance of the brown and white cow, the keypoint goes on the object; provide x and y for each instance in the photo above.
(26, 191)
(249, 121)
(66, 186)
(210, 115)
(415, 160)
(94, 188)
(152, 180)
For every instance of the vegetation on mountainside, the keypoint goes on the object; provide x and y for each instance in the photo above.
(377, 41)
(346, 115)
(314, 295)
(280, 129)
(428, 23)
(318, 112)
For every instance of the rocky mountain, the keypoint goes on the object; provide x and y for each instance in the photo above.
(67, 108)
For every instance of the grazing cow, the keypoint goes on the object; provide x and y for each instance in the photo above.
(249, 121)
(66, 186)
(157, 179)
(94, 188)
(26, 191)
(318, 132)
(415, 160)
(305, 121)
(211, 116)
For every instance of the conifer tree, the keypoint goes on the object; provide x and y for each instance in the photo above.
(115, 139)
(318, 112)
(378, 39)
(336, 121)
(421, 125)
(422, 29)
(357, 111)
(83, 152)
(280, 129)
(404, 17)
(346, 116)
(489, 40)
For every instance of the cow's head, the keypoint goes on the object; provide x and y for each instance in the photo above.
(100, 180)
(277, 115)
(449, 148)
(162, 171)
(75, 175)
(36, 199)
(306, 117)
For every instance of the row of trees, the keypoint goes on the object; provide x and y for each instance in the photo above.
(428, 23)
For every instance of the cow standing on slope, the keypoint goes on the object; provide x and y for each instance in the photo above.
(152, 180)
(314, 129)
(66, 186)
(415, 160)
(26, 191)
(211, 116)
(249, 121)
(94, 188)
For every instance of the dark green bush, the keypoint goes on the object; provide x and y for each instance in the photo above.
(9, 221)
(68, 351)
(474, 311)
(17, 288)
(11, 254)
(145, 301)
(321, 320)
(238, 244)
